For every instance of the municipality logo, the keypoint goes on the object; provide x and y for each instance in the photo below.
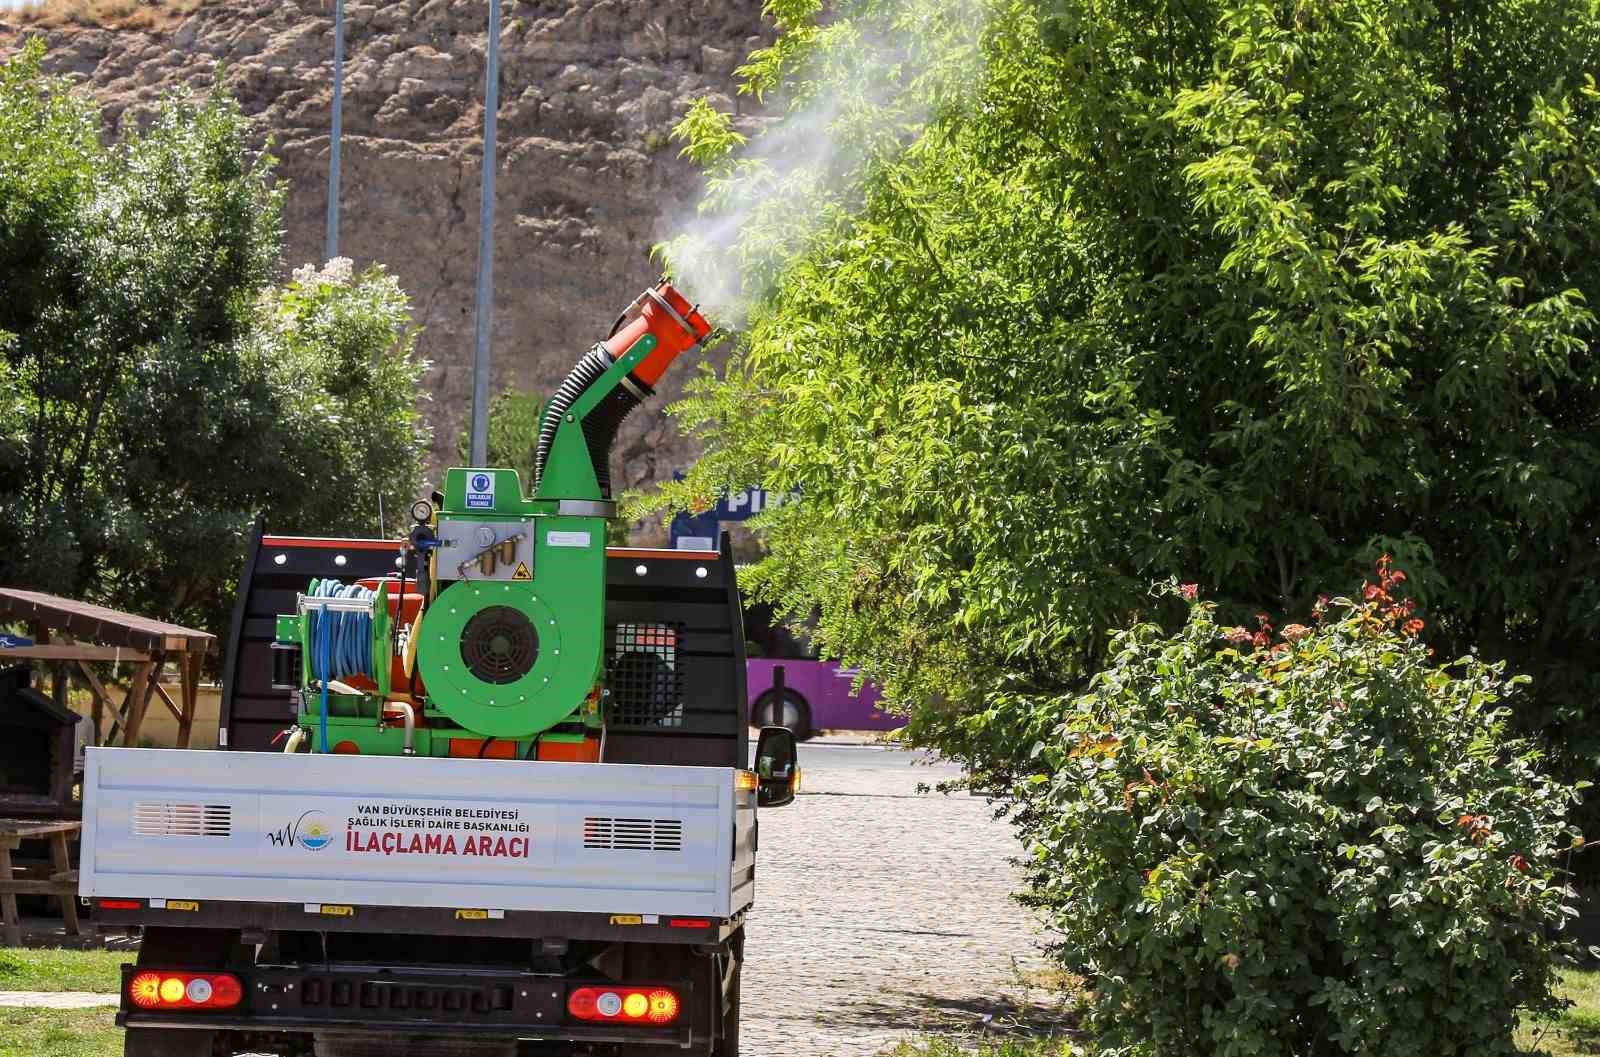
(312, 831)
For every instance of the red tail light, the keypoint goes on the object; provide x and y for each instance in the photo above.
(624, 1005)
(155, 989)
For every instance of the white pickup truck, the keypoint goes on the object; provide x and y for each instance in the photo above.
(345, 905)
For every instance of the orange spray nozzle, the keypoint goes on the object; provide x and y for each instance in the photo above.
(676, 325)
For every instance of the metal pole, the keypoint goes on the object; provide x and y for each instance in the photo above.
(336, 140)
(480, 356)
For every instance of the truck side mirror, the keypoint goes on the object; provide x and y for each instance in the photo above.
(777, 767)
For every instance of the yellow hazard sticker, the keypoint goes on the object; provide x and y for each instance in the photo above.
(332, 911)
(627, 919)
(182, 904)
(521, 572)
(472, 915)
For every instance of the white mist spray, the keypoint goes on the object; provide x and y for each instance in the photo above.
(867, 97)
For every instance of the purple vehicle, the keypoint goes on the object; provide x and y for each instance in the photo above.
(816, 694)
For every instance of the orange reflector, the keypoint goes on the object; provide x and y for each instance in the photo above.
(145, 990)
(746, 781)
(153, 989)
(663, 1006)
(624, 1005)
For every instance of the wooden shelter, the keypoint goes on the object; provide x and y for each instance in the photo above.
(68, 636)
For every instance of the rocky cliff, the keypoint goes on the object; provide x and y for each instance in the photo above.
(587, 180)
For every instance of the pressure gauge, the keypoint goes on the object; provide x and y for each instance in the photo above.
(422, 511)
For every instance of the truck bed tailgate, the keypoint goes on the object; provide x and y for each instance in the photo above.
(386, 831)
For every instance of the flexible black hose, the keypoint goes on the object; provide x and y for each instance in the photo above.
(583, 374)
(600, 425)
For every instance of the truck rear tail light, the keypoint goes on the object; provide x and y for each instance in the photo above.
(121, 904)
(624, 1005)
(690, 923)
(154, 989)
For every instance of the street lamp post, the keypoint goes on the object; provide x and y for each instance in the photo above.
(485, 292)
(336, 139)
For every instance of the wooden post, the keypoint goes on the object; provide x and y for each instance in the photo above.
(139, 698)
(190, 669)
(12, 927)
(97, 690)
(61, 862)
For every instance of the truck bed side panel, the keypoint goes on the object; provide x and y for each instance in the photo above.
(389, 831)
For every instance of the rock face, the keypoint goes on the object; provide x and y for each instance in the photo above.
(587, 181)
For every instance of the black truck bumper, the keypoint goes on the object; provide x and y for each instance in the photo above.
(355, 1001)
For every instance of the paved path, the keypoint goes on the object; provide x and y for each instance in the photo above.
(881, 913)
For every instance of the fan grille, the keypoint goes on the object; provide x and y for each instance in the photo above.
(499, 645)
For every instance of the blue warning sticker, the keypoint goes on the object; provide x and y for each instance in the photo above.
(480, 491)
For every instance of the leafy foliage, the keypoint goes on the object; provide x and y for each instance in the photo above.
(1241, 291)
(158, 390)
(1320, 844)
(514, 418)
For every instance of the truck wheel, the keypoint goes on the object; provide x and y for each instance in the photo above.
(167, 1042)
(792, 712)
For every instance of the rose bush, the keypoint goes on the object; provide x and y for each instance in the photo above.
(1320, 842)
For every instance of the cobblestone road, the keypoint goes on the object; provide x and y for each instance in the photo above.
(882, 913)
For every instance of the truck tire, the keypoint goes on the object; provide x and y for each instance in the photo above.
(167, 1042)
(793, 712)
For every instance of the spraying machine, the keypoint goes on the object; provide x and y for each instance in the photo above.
(512, 810)
(494, 645)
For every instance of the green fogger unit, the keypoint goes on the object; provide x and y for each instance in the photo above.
(489, 640)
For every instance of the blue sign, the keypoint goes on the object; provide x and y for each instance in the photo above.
(480, 491)
(705, 528)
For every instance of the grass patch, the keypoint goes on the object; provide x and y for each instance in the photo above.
(108, 14)
(1576, 1033)
(60, 1032)
(48, 969)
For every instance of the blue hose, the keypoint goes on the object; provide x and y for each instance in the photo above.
(342, 643)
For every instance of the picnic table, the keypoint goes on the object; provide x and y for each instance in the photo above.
(62, 881)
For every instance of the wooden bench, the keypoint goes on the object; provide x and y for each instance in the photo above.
(63, 880)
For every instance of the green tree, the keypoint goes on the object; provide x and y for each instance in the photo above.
(514, 418)
(159, 390)
(1244, 292)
